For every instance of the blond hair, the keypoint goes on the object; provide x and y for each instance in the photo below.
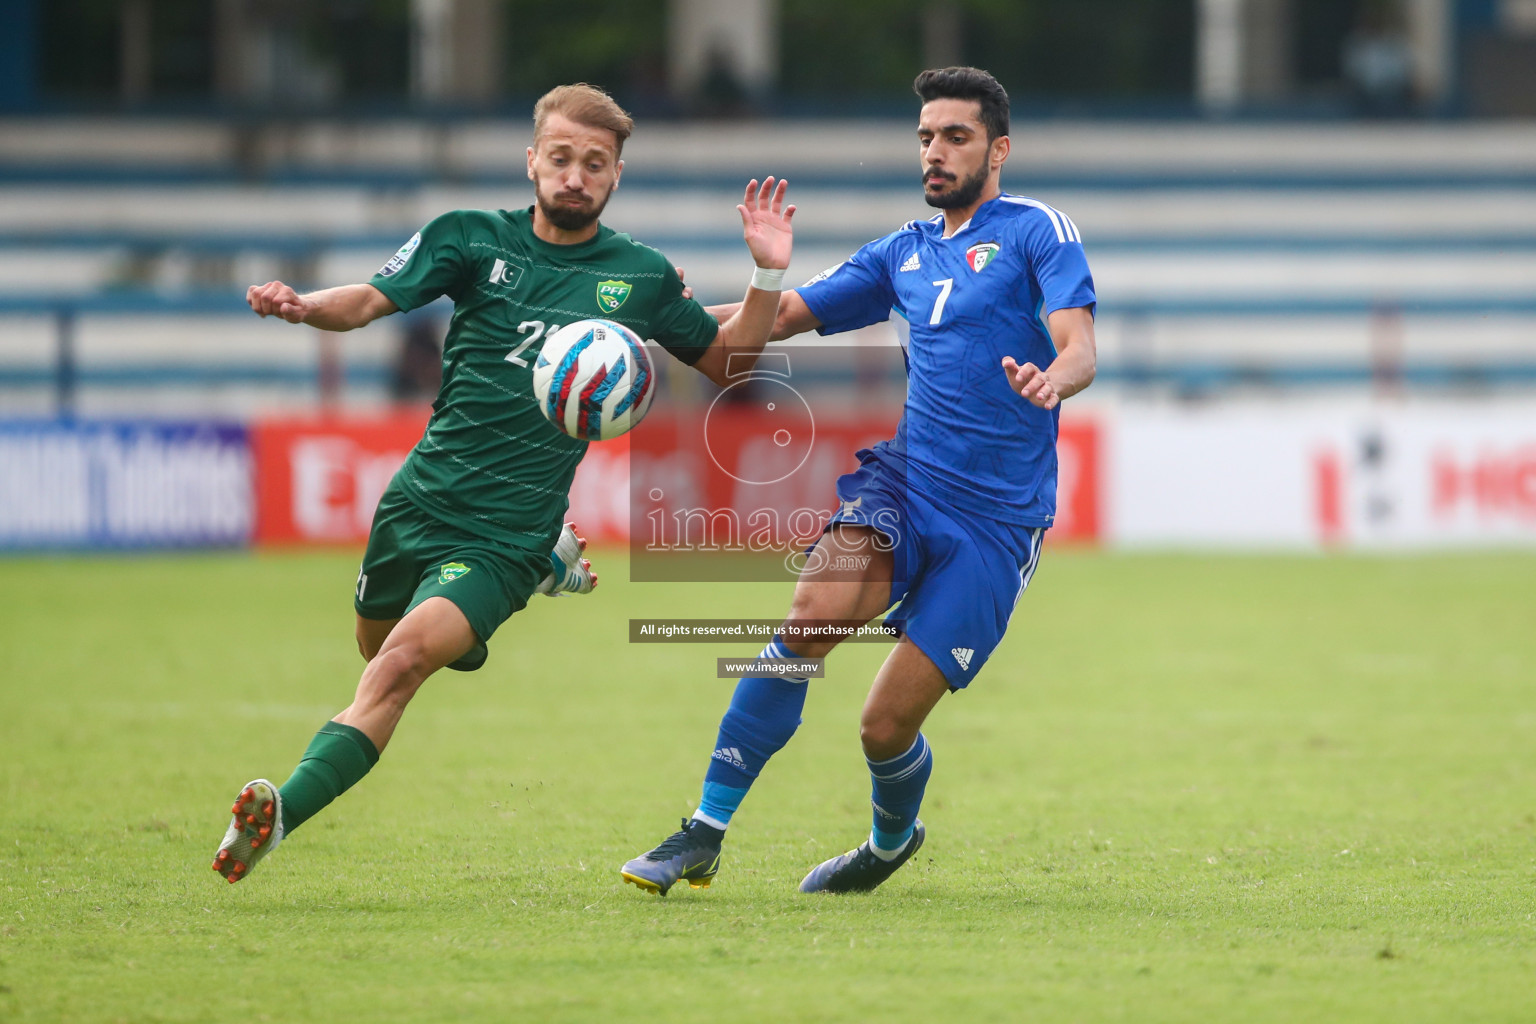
(586, 105)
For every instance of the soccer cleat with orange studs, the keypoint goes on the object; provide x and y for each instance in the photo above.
(569, 572)
(255, 829)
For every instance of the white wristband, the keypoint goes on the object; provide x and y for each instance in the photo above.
(766, 280)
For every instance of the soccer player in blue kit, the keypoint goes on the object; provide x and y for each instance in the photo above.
(951, 512)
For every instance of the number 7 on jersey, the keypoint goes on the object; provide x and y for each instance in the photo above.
(938, 306)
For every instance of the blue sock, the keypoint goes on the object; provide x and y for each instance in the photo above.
(896, 792)
(764, 714)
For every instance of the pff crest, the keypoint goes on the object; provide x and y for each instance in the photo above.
(980, 254)
(611, 295)
(451, 572)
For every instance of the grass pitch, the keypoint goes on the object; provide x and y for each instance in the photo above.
(1258, 789)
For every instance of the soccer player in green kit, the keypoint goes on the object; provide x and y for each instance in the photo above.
(471, 526)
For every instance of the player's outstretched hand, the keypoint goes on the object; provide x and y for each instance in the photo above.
(1031, 382)
(277, 299)
(765, 223)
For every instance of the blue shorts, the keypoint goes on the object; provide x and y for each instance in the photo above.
(958, 576)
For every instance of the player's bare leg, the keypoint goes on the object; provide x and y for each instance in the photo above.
(906, 689)
(433, 634)
(401, 653)
(430, 636)
(371, 634)
(847, 580)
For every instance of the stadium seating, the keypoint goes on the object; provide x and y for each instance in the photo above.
(1225, 255)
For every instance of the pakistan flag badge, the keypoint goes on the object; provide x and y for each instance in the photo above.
(451, 572)
(611, 295)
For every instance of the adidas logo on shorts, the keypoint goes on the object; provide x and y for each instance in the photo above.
(962, 655)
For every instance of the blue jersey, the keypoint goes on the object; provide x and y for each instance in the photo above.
(969, 300)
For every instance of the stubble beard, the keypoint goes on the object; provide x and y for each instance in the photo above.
(962, 196)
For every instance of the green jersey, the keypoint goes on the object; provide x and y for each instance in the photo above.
(489, 461)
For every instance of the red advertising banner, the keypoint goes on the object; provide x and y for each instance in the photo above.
(600, 492)
(770, 472)
(318, 479)
(1079, 482)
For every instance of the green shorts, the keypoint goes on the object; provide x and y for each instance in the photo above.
(412, 556)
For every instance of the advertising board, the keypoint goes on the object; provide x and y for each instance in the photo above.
(123, 484)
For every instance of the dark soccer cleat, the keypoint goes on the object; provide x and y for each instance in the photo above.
(691, 854)
(859, 870)
(255, 829)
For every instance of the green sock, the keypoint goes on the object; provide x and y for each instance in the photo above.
(336, 758)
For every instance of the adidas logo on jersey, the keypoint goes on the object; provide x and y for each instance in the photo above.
(731, 756)
(962, 655)
(913, 263)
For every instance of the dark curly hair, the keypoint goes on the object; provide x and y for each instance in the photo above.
(967, 84)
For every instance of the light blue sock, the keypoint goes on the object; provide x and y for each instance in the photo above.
(896, 793)
(764, 714)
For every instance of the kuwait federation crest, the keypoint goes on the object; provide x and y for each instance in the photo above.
(980, 254)
(611, 295)
(451, 572)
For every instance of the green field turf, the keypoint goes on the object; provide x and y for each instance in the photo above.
(1186, 788)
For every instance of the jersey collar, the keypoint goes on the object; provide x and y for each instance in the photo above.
(962, 229)
(982, 213)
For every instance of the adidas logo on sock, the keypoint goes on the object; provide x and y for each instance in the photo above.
(913, 263)
(962, 655)
(731, 756)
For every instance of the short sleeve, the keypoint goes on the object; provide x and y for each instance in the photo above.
(431, 264)
(681, 326)
(853, 294)
(1059, 265)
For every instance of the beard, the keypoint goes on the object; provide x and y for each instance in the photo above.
(964, 195)
(568, 218)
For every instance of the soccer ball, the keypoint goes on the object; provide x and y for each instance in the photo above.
(594, 379)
